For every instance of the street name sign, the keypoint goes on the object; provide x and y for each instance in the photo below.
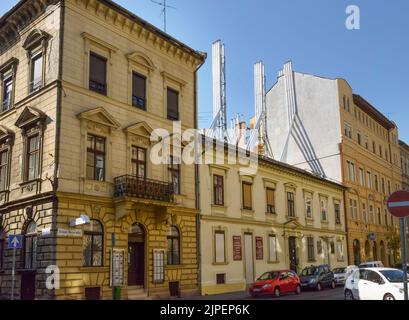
(398, 204)
(15, 241)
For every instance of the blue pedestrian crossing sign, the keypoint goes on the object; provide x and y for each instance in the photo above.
(15, 241)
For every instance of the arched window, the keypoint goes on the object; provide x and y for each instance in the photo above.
(173, 246)
(93, 244)
(30, 246)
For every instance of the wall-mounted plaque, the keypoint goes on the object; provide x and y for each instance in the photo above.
(237, 255)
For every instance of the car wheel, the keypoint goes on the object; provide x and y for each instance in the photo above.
(319, 288)
(277, 292)
(298, 290)
(348, 295)
(333, 286)
(388, 296)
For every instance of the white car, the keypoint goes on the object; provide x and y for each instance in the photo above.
(375, 284)
(371, 264)
(342, 274)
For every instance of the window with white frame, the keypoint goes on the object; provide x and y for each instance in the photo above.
(272, 240)
(219, 246)
(361, 177)
(324, 209)
(371, 214)
(340, 250)
(364, 218)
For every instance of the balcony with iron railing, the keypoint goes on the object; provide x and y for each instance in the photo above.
(134, 187)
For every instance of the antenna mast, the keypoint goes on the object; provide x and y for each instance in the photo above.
(218, 128)
(259, 135)
(164, 11)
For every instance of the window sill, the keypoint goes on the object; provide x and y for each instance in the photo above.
(174, 266)
(324, 221)
(273, 262)
(220, 263)
(291, 217)
(25, 183)
(20, 271)
(7, 112)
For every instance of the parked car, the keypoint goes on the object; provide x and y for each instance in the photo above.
(342, 274)
(317, 277)
(276, 283)
(375, 284)
(371, 264)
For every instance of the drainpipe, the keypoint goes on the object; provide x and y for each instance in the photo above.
(197, 184)
(345, 207)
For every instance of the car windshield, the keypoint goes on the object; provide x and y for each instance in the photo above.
(393, 275)
(339, 270)
(310, 271)
(269, 275)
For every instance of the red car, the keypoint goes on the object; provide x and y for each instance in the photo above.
(275, 283)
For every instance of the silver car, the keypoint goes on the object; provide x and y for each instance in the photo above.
(342, 274)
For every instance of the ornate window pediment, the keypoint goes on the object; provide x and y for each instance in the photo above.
(6, 135)
(36, 38)
(100, 116)
(140, 129)
(142, 60)
(30, 117)
(9, 65)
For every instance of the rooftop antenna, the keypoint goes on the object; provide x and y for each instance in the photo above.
(164, 10)
(218, 128)
(259, 135)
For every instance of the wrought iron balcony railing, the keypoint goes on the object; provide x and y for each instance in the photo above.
(134, 187)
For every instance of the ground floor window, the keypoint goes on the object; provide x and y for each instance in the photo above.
(173, 246)
(272, 247)
(219, 243)
(310, 247)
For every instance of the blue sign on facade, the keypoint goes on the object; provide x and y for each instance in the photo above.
(15, 241)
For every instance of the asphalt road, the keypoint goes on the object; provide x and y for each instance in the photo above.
(325, 294)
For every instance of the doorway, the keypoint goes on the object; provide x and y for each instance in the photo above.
(136, 256)
(249, 258)
(28, 286)
(292, 250)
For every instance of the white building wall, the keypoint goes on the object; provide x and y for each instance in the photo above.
(318, 129)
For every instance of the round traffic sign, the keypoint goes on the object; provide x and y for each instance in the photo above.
(398, 204)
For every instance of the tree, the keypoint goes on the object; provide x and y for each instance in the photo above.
(394, 244)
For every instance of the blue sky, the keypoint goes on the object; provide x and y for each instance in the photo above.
(374, 59)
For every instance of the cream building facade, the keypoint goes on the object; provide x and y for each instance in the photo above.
(277, 217)
(92, 82)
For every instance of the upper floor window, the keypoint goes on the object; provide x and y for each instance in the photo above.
(172, 104)
(361, 177)
(348, 130)
(98, 73)
(139, 91)
(364, 218)
(270, 200)
(30, 246)
(373, 147)
(247, 195)
(359, 138)
(36, 75)
(173, 246)
(4, 169)
(380, 151)
(33, 157)
(7, 94)
(7, 78)
(218, 190)
(383, 185)
(290, 204)
(351, 171)
(369, 179)
(379, 216)
(376, 183)
(353, 209)
(93, 244)
(337, 210)
(308, 207)
(139, 162)
(174, 175)
(324, 205)
(95, 158)
(371, 214)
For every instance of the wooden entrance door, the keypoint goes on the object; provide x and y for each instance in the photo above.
(136, 269)
(292, 254)
(28, 286)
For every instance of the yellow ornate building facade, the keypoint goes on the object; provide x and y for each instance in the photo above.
(275, 217)
(93, 81)
(371, 170)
